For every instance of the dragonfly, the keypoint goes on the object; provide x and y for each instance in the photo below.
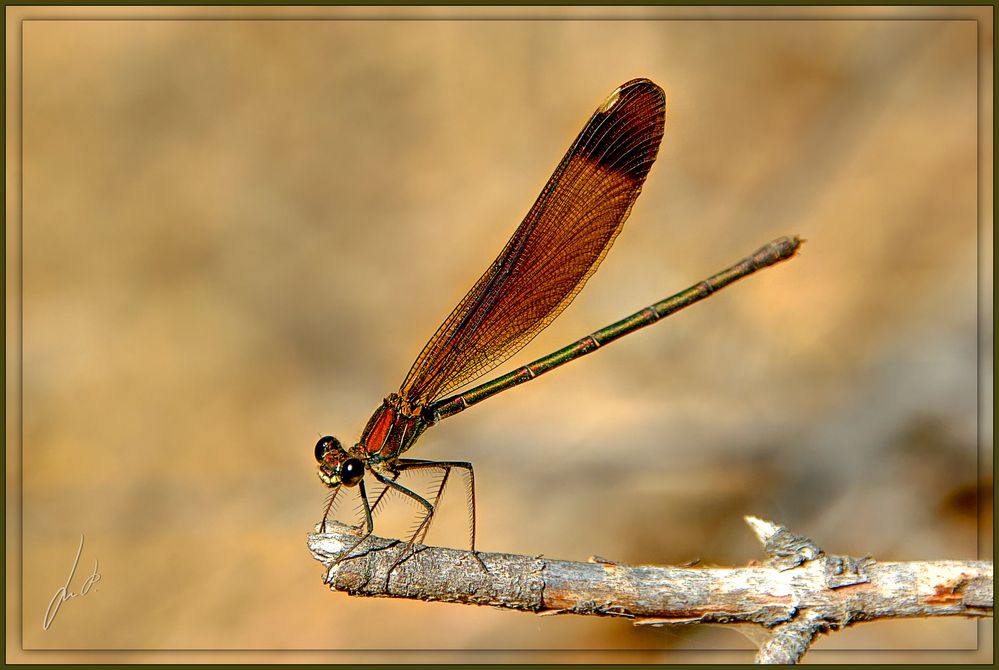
(544, 265)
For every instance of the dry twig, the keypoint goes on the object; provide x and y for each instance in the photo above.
(799, 593)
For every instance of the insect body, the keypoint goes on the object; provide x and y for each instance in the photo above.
(560, 243)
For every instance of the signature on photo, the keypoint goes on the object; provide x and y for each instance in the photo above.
(63, 593)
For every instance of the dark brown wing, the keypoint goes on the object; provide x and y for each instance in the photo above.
(554, 251)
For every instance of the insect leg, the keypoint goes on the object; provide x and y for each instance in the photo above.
(417, 464)
(370, 525)
(427, 518)
(329, 508)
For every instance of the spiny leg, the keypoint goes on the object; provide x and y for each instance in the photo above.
(374, 505)
(332, 499)
(437, 498)
(381, 495)
(417, 464)
(329, 508)
(369, 523)
(426, 518)
(436, 502)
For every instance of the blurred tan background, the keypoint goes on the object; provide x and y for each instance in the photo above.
(237, 235)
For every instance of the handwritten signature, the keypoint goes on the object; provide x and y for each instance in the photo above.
(63, 593)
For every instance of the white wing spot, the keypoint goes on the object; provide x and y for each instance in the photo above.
(610, 101)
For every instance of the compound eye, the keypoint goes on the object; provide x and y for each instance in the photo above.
(324, 445)
(351, 472)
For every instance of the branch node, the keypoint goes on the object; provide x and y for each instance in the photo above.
(847, 570)
(789, 641)
(787, 550)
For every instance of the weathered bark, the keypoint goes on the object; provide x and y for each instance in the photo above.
(799, 593)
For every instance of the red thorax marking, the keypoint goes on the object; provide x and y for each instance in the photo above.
(375, 439)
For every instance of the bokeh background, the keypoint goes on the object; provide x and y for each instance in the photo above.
(236, 235)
